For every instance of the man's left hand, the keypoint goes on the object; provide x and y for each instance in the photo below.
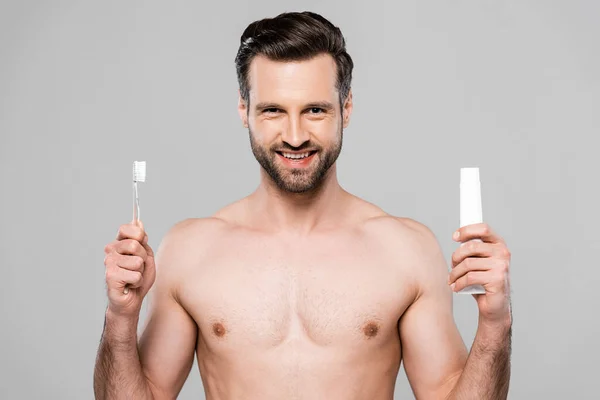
(483, 263)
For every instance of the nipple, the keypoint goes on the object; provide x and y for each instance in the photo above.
(371, 329)
(218, 329)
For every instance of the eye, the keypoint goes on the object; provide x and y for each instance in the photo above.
(316, 110)
(270, 110)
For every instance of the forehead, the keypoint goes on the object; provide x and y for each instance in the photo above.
(281, 81)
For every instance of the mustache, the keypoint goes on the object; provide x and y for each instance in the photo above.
(287, 147)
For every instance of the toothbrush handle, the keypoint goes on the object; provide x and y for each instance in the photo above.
(136, 215)
(136, 203)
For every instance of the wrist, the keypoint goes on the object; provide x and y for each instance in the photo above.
(122, 314)
(494, 334)
(120, 328)
(498, 324)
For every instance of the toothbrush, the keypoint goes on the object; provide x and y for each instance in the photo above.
(470, 210)
(139, 175)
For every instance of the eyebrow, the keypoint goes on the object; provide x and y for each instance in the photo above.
(326, 105)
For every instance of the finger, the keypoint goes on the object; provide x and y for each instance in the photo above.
(109, 248)
(131, 263)
(471, 278)
(469, 265)
(117, 278)
(149, 264)
(132, 279)
(131, 231)
(131, 247)
(477, 231)
(472, 248)
(148, 249)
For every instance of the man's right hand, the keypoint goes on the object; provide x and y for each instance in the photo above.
(129, 262)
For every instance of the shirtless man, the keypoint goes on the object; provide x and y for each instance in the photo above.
(301, 290)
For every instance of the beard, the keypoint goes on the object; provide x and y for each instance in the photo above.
(297, 180)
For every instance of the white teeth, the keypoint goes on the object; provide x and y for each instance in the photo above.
(296, 156)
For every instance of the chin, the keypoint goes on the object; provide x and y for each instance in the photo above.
(295, 186)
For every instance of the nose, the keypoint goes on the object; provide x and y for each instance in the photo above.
(293, 134)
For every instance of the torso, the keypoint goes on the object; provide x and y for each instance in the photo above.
(313, 317)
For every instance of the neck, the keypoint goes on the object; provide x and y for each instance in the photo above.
(298, 212)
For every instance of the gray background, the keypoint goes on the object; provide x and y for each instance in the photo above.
(88, 87)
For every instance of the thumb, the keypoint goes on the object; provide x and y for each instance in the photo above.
(147, 247)
(138, 223)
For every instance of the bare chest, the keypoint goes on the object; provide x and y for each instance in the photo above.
(260, 295)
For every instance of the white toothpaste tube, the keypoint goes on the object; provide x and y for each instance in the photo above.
(470, 210)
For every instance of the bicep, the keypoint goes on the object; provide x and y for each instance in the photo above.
(434, 353)
(168, 341)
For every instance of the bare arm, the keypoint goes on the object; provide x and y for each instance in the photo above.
(168, 341)
(436, 361)
(434, 353)
(157, 366)
(118, 373)
(487, 372)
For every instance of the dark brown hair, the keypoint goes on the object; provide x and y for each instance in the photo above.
(293, 36)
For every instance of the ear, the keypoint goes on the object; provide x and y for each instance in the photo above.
(242, 110)
(347, 109)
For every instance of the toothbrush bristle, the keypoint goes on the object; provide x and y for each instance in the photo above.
(139, 171)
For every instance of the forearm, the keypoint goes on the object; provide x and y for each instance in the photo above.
(118, 372)
(487, 371)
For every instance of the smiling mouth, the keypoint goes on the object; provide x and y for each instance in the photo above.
(296, 156)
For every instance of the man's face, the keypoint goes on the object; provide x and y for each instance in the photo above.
(295, 120)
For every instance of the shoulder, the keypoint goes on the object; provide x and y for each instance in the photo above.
(416, 247)
(418, 231)
(195, 235)
(373, 221)
(408, 240)
(184, 247)
(193, 229)
(396, 228)
(187, 240)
